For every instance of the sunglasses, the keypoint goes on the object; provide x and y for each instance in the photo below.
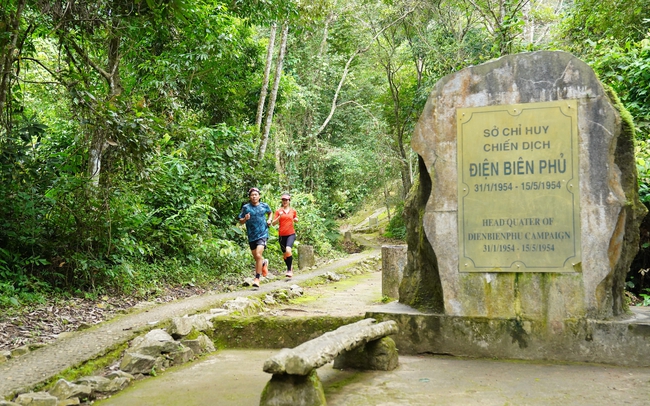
(286, 200)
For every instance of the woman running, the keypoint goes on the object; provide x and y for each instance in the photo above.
(286, 216)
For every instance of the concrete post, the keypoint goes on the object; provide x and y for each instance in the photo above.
(306, 256)
(393, 261)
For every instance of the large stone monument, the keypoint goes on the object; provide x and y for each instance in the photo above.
(526, 211)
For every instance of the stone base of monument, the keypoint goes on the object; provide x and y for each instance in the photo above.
(624, 341)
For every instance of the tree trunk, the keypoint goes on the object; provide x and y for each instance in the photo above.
(274, 92)
(401, 119)
(346, 70)
(9, 55)
(404, 166)
(114, 80)
(386, 202)
(279, 165)
(95, 158)
(99, 141)
(267, 73)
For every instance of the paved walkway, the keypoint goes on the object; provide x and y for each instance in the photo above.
(27, 371)
(235, 378)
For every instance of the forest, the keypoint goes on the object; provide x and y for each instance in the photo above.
(131, 130)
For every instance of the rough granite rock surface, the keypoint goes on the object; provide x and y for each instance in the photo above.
(610, 210)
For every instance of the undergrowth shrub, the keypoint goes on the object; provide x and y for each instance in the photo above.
(396, 226)
(313, 226)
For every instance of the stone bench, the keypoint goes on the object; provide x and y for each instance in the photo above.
(361, 345)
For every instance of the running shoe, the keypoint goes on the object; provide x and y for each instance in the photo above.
(265, 267)
(256, 282)
(289, 273)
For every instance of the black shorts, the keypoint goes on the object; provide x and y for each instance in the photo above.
(253, 245)
(286, 241)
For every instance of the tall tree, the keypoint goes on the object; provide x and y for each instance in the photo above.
(10, 20)
(404, 64)
(504, 21)
(91, 36)
(274, 91)
(265, 80)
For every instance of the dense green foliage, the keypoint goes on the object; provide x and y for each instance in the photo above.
(127, 141)
(627, 69)
(614, 38)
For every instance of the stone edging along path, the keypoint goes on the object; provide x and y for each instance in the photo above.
(37, 367)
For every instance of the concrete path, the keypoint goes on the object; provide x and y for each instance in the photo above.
(27, 371)
(235, 378)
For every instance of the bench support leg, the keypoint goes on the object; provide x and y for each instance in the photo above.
(294, 390)
(377, 355)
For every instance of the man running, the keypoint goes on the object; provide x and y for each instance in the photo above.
(255, 215)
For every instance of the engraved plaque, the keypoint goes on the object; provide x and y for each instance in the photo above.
(518, 188)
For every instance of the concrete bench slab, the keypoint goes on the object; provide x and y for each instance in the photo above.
(315, 353)
(362, 345)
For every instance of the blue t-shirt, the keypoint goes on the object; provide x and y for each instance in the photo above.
(256, 226)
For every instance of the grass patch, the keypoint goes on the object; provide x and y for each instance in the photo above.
(305, 299)
(88, 368)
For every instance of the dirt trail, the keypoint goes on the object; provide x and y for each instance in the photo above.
(353, 296)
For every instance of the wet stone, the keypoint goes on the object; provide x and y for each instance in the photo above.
(4, 356)
(69, 402)
(182, 326)
(106, 386)
(120, 374)
(182, 356)
(22, 350)
(135, 363)
(37, 399)
(66, 390)
(200, 345)
(244, 305)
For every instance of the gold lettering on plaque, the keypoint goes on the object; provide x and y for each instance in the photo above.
(518, 188)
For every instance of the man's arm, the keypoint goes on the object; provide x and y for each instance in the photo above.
(243, 217)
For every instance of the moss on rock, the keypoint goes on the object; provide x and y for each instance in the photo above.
(635, 211)
(421, 286)
(272, 332)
